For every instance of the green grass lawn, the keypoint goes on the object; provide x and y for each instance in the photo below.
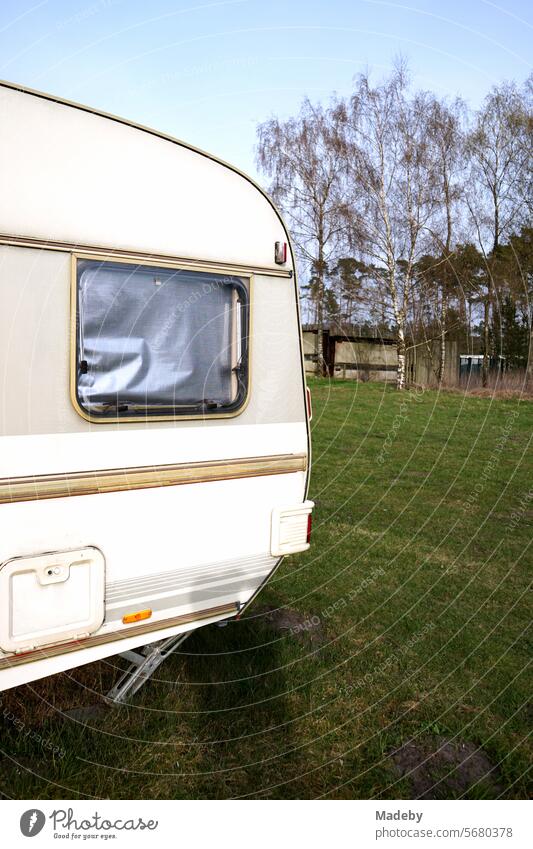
(414, 604)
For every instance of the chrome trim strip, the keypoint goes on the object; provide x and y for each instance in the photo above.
(38, 487)
(118, 254)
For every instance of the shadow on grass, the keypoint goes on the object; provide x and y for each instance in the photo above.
(200, 728)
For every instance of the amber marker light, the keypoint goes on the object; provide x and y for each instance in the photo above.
(138, 616)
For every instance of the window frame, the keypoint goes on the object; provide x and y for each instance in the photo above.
(141, 418)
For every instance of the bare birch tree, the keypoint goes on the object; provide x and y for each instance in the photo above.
(445, 128)
(499, 159)
(301, 158)
(393, 187)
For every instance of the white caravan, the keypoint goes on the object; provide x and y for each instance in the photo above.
(154, 432)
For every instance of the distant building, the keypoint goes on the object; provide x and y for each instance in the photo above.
(472, 364)
(353, 356)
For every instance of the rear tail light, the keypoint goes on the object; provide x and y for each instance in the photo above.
(309, 405)
(309, 527)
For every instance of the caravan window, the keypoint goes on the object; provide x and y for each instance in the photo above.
(154, 341)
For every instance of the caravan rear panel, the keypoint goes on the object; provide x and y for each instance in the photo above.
(154, 449)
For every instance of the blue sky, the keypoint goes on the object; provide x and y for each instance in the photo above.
(209, 72)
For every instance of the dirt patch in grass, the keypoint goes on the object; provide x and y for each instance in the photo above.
(437, 768)
(287, 621)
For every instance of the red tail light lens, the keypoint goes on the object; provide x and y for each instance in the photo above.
(309, 526)
(309, 405)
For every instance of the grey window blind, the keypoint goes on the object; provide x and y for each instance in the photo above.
(159, 340)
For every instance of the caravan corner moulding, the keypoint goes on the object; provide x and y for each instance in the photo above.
(154, 438)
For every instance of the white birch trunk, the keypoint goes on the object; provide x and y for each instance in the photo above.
(485, 366)
(400, 380)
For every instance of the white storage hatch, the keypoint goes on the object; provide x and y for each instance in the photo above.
(51, 598)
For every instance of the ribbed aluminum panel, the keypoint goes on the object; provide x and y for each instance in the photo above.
(201, 581)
